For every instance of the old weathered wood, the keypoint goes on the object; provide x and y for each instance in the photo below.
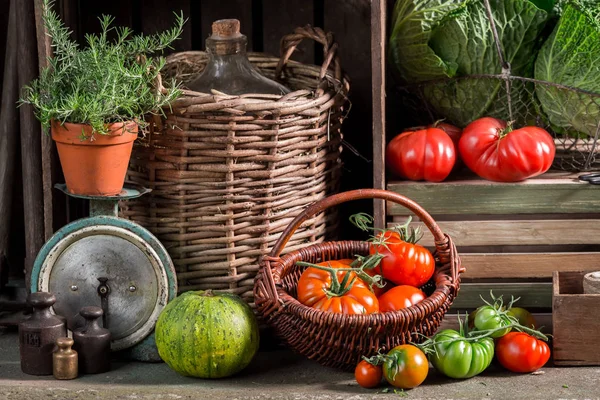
(212, 10)
(281, 17)
(532, 294)
(511, 232)
(31, 159)
(4, 15)
(44, 50)
(378, 40)
(547, 194)
(544, 320)
(9, 133)
(90, 11)
(351, 22)
(157, 16)
(575, 322)
(526, 265)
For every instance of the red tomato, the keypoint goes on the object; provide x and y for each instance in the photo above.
(520, 352)
(425, 154)
(494, 152)
(404, 263)
(315, 285)
(453, 131)
(400, 297)
(368, 375)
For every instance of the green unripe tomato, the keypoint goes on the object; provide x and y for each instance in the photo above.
(487, 317)
(458, 358)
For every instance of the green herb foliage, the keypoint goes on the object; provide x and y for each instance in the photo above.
(110, 80)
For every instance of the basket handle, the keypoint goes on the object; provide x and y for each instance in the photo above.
(359, 194)
(447, 251)
(291, 41)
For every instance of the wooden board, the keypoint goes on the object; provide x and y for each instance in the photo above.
(378, 40)
(281, 17)
(157, 16)
(550, 193)
(575, 323)
(532, 294)
(526, 265)
(516, 232)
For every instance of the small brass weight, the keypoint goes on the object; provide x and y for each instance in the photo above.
(64, 360)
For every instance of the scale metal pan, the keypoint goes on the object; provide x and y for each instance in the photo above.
(138, 270)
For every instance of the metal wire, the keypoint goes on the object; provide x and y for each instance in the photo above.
(576, 126)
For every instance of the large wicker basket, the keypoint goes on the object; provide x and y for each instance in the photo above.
(228, 173)
(340, 340)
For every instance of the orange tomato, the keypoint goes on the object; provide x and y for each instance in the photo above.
(315, 289)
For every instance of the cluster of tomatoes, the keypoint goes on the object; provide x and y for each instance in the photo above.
(388, 279)
(488, 146)
(508, 334)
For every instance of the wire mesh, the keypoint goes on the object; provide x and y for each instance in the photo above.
(575, 125)
(570, 114)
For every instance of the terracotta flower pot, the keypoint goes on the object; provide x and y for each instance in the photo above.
(94, 167)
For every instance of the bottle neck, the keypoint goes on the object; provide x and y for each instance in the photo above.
(227, 47)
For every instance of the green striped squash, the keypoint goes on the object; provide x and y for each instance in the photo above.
(207, 334)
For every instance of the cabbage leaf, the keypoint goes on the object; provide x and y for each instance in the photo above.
(571, 57)
(460, 43)
(412, 24)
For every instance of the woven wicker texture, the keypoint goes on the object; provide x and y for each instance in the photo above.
(340, 340)
(229, 173)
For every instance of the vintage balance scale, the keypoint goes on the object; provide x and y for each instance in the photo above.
(112, 263)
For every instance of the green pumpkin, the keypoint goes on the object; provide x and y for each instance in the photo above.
(207, 334)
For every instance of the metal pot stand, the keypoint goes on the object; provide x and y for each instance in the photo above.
(113, 263)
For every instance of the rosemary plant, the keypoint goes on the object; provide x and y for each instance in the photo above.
(107, 81)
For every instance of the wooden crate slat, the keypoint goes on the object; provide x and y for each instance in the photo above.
(510, 232)
(378, 56)
(526, 265)
(574, 322)
(532, 294)
(281, 17)
(551, 193)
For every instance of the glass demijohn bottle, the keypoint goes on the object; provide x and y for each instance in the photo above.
(228, 69)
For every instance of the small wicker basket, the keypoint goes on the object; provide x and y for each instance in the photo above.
(340, 340)
(228, 173)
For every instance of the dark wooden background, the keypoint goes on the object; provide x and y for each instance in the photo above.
(264, 22)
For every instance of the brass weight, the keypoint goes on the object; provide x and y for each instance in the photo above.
(64, 360)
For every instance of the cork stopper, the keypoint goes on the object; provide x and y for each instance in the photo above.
(226, 29)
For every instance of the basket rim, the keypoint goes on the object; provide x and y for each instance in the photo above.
(442, 280)
(334, 85)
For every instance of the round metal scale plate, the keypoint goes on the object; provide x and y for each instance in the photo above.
(137, 268)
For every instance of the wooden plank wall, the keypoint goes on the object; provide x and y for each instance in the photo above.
(265, 22)
(511, 236)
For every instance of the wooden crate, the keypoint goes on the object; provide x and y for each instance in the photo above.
(511, 236)
(575, 321)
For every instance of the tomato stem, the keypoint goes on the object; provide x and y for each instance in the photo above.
(341, 288)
